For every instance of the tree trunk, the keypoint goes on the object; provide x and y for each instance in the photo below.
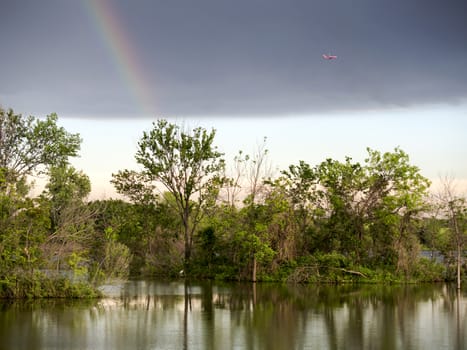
(253, 278)
(459, 259)
(187, 248)
(187, 236)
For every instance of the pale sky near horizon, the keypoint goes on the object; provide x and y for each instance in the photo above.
(434, 138)
(249, 69)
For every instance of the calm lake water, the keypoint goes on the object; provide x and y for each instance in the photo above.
(161, 315)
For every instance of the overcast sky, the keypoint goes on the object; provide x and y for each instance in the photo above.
(95, 62)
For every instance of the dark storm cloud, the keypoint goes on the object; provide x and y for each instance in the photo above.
(241, 57)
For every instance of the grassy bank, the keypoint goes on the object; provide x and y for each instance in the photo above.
(39, 285)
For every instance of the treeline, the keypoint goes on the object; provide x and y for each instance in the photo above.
(188, 214)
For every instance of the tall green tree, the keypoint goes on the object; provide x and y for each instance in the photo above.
(372, 208)
(187, 164)
(71, 233)
(255, 232)
(454, 210)
(66, 188)
(395, 199)
(299, 185)
(30, 145)
(342, 189)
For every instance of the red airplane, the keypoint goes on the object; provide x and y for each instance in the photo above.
(329, 57)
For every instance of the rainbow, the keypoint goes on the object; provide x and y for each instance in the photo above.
(125, 56)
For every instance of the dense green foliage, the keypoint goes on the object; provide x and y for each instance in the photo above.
(334, 222)
(49, 245)
(337, 221)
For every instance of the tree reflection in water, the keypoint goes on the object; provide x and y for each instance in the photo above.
(155, 315)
